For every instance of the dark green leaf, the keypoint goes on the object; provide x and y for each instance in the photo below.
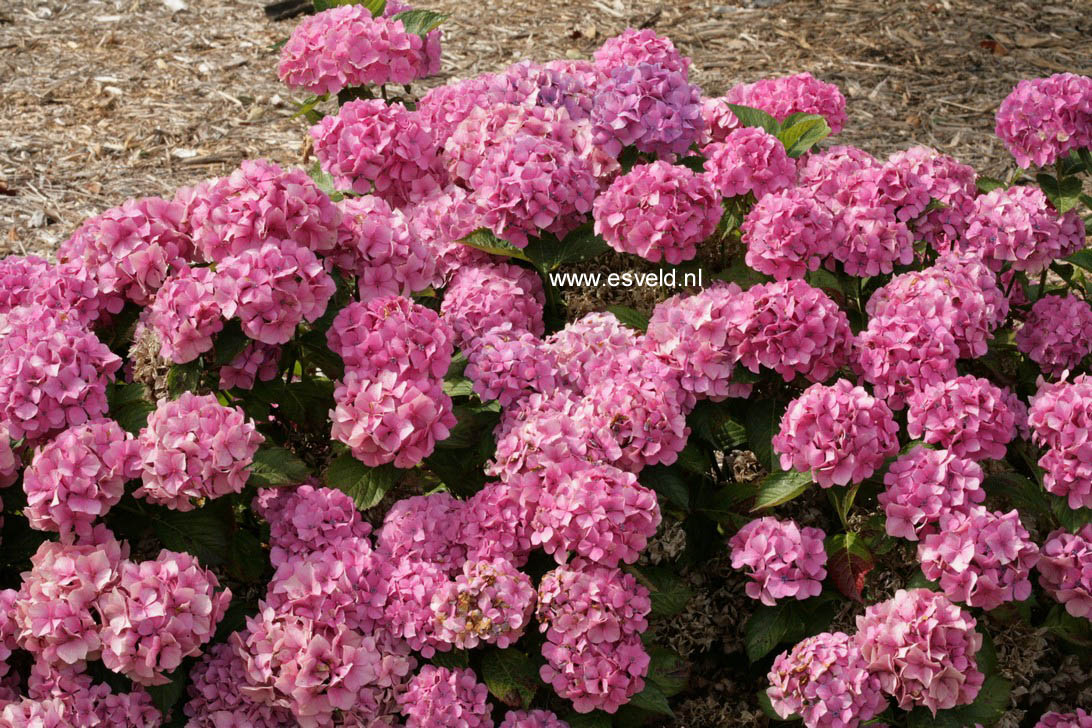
(184, 378)
(667, 670)
(548, 253)
(763, 421)
(129, 406)
(472, 424)
(1071, 519)
(668, 483)
(741, 274)
(229, 343)
(1022, 493)
(766, 704)
(767, 627)
(652, 699)
(305, 401)
(715, 423)
(1064, 193)
(421, 22)
(276, 466)
(452, 660)
(803, 133)
(988, 184)
(848, 563)
(204, 532)
(668, 590)
(723, 505)
(460, 471)
(631, 317)
(1082, 258)
(165, 697)
(458, 387)
(988, 707)
(596, 719)
(781, 487)
(511, 676)
(1072, 629)
(483, 239)
(246, 559)
(694, 459)
(366, 486)
(755, 117)
(918, 581)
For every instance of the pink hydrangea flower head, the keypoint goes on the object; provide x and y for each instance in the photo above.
(215, 700)
(648, 106)
(1018, 225)
(53, 372)
(70, 286)
(874, 243)
(598, 512)
(1044, 119)
(801, 93)
(425, 528)
(922, 648)
(1065, 569)
(1053, 719)
(789, 233)
(27, 713)
(158, 613)
(825, 681)
(375, 244)
(345, 47)
(130, 250)
(439, 696)
(749, 160)
(272, 289)
(793, 328)
(699, 335)
(719, 121)
(782, 560)
(966, 415)
(583, 347)
(532, 719)
(259, 203)
(20, 277)
(826, 173)
(185, 314)
(441, 221)
(444, 107)
(1055, 333)
(497, 521)
(633, 47)
(489, 602)
(981, 558)
(256, 362)
(53, 612)
(78, 476)
(370, 147)
(924, 485)
(900, 355)
(584, 601)
(392, 333)
(950, 183)
(309, 519)
(569, 85)
(387, 417)
(507, 365)
(891, 185)
(408, 614)
(480, 298)
(528, 184)
(596, 675)
(11, 461)
(840, 433)
(1060, 417)
(659, 211)
(193, 448)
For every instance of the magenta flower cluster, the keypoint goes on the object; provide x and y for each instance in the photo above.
(782, 559)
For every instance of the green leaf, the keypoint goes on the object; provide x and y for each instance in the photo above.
(246, 560)
(129, 406)
(472, 424)
(653, 700)
(548, 253)
(276, 466)
(848, 562)
(304, 401)
(749, 116)
(165, 697)
(763, 421)
(668, 483)
(1072, 629)
(722, 505)
(421, 22)
(802, 133)
(596, 719)
(485, 240)
(766, 628)
(667, 670)
(715, 423)
(1022, 493)
(184, 378)
(460, 471)
(511, 676)
(458, 387)
(1063, 193)
(229, 343)
(375, 7)
(988, 184)
(204, 532)
(631, 317)
(918, 581)
(1082, 258)
(987, 709)
(366, 486)
(741, 274)
(668, 591)
(1071, 519)
(781, 487)
(452, 660)
(766, 704)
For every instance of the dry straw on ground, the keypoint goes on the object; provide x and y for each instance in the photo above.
(105, 99)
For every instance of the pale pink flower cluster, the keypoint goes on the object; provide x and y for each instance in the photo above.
(1018, 225)
(874, 242)
(981, 558)
(78, 476)
(441, 221)
(893, 186)
(498, 521)
(900, 355)
(86, 704)
(801, 93)
(949, 182)
(438, 696)
(1044, 119)
(480, 298)
(11, 461)
(1053, 719)
(719, 120)
(27, 279)
(185, 314)
(195, 448)
(1055, 333)
(345, 47)
(924, 485)
(564, 84)
(256, 362)
(967, 415)
(507, 365)
(659, 211)
(375, 244)
(597, 512)
(260, 203)
(308, 519)
(633, 47)
(488, 602)
(1060, 417)
(825, 680)
(790, 233)
(922, 649)
(749, 160)
(392, 333)
(215, 700)
(647, 106)
(424, 529)
(370, 147)
(53, 372)
(158, 613)
(593, 617)
(532, 719)
(272, 289)
(130, 250)
(840, 434)
(828, 172)
(583, 347)
(1065, 569)
(782, 560)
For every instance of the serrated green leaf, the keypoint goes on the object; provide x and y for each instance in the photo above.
(1024, 494)
(667, 590)
(668, 483)
(511, 676)
(203, 532)
(486, 241)
(988, 707)
(1082, 258)
(452, 660)
(631, 317)
(767, 627)
(749, 116)
(165, 697)
(802, 133)
(229, 343)
(988, 184)
(1075, 630)
(723, 505)
(848, 562)
(366, 486)
(918, 581)
(667, 670)
(324, 182)
(763, 421)
(129, 406)
(715, 423)
(458, 387)
(779, 488)
(548, 253)
(1063, 193)
(653, 700)
(275, 466)
(184, 378)
(741, 274)
(1071, 519)
(420, 22)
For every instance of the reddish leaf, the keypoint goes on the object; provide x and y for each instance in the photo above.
(848, 563)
